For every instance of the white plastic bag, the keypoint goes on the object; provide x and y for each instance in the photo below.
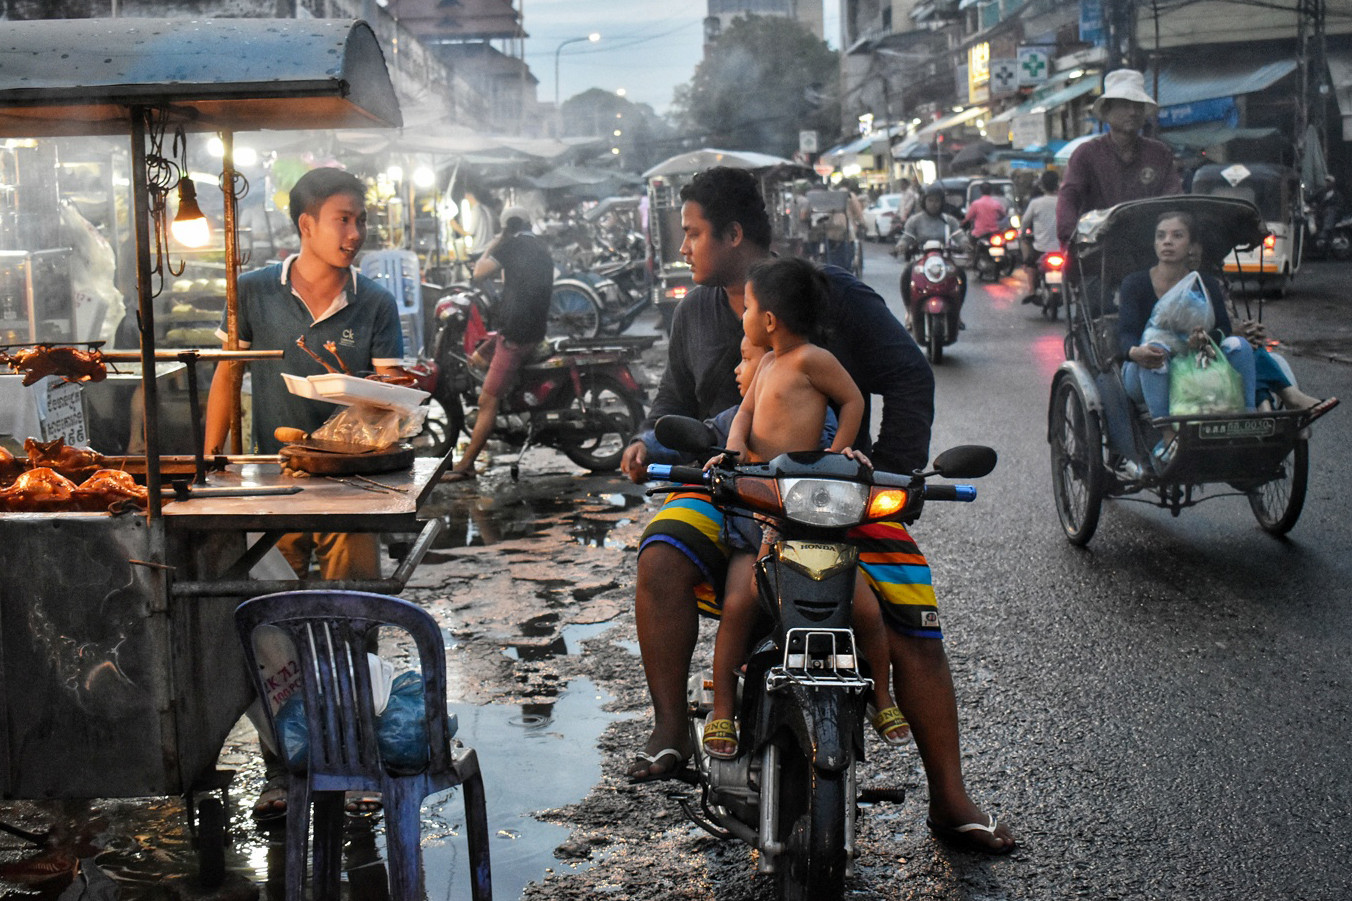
(1183, 307)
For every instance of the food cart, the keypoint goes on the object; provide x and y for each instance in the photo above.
(114, 678)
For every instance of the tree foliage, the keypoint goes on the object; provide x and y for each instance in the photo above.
(762, 81)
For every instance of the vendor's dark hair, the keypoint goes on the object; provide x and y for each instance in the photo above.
(796, 291)
(728, 195)
(317, 186)
(1188, 219)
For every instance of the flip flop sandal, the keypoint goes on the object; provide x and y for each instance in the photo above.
(359, 803)
(962, 836)
(890, 725)
(720, 731)
(271, 804)
(1321, 408)
(648, 761)
(458, 475)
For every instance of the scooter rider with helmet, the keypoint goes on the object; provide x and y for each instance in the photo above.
(931, 223)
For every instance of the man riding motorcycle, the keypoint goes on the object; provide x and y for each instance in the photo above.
(930, 224)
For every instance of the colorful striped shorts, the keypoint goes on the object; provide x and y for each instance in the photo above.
(894, 567)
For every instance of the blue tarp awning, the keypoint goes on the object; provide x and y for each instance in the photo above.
(1207, 80)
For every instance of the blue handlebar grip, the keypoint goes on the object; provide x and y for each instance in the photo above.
(659, 472)
(965, 492)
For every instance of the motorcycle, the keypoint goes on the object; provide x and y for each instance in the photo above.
(604, 299)
(997, 254)
(1336, 245)
(1048, 276)
(934, 309)
(579, 396)
(792, 791)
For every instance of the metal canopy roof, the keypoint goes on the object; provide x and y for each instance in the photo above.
(83, 76)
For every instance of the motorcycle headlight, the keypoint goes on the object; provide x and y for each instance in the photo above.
(824, 502)
(935, 268)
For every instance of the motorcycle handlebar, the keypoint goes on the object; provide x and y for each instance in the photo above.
(950, 493)
(665, 472)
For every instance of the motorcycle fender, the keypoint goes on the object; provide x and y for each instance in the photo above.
(936, 305)
(826, 722)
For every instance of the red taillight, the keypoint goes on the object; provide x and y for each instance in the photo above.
(997, 240)
(1270, 242)
(1055, 261)
(678, 292)
(1011, 235)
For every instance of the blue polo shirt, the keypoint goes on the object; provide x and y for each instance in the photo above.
(363, 321)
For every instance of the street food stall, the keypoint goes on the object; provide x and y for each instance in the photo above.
(114, 678)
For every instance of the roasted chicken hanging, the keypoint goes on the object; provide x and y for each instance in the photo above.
(70, 363)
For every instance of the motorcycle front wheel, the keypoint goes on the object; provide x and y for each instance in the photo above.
(812, 827)
(612, 414)
(934, 337)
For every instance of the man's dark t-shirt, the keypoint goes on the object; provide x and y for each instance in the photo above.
(527, 279)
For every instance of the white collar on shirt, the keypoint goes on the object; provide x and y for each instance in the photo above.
(339, 302)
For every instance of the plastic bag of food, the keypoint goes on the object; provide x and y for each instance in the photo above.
(371, 426)
(1184, 307)
(1204, 382)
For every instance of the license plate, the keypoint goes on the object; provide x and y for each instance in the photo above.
(1237, 428)
(997, 252)
(1053, 278)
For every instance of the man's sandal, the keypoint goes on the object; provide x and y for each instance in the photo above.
(720, 731)
(890, 725)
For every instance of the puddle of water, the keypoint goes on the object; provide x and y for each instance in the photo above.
(534, 757)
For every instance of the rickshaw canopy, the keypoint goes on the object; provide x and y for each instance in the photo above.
(84, 76)
(1125, 234)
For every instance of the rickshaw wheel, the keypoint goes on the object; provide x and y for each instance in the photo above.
(1277, 504)
(1077, 465)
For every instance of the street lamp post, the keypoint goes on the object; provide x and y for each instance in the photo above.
(558, 111)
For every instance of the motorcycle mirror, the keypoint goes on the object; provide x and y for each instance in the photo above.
(966, 461)
(685, 434)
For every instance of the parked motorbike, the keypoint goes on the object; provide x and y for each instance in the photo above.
(606, 297)
(1336, 245)
(579, 396)
(792, 790)
(933, 286)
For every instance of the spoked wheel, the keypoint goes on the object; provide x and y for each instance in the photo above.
(574, 311)
(812, 827)
(612, 415)
(1077, 463)
(934, 337)
(1277, 504)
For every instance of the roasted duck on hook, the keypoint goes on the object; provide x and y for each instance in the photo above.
(70, 363)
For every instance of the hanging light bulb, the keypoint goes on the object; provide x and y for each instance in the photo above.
(189, 227)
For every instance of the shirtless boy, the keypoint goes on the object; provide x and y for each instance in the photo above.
(784, 410)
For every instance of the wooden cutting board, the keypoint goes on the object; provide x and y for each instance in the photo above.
(325, 463)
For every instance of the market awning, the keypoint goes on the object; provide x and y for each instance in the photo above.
(1193, 81)
(861, 144)
(960, 118)
(1049, 101)
(83, 76)
(1200, 137)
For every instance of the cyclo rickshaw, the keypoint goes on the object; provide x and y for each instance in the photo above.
(1101, 441)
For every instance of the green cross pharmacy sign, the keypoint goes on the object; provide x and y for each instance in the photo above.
(1034, 66)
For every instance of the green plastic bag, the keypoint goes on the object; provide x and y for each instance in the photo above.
(1199, 383)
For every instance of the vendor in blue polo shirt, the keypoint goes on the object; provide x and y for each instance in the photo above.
(315, 294)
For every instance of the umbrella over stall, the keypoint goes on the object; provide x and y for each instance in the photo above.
(706, 157)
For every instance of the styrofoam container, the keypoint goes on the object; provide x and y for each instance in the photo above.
(344, 389)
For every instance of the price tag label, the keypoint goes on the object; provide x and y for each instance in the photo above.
(65, 414)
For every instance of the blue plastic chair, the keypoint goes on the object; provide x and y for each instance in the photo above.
(331, 631)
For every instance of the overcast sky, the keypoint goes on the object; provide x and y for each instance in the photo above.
(647, 48)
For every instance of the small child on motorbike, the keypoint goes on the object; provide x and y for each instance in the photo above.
(784, 406)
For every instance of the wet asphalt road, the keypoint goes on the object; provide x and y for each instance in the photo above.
(1163, 715)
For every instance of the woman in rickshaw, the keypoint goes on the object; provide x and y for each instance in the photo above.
(1147, 350)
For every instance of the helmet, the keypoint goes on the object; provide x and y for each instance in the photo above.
(934, 191)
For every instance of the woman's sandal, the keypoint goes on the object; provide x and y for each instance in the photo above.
(720, 731)
(890, 725)
(271, 804)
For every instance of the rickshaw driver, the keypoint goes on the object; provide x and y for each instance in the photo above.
(726, 231)
(1118, 166)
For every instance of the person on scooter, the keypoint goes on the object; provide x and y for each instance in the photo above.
(987, 214)
(931, 223)
(1039, 229)
(520, 317)
(682, 562)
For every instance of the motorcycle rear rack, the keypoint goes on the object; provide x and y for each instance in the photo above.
(823, 657)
